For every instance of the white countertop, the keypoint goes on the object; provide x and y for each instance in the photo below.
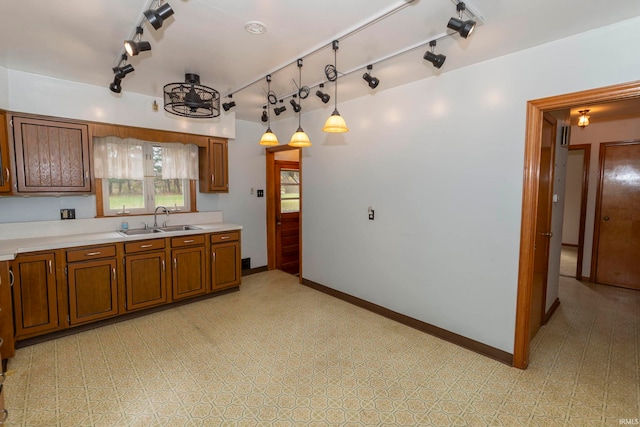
(9, 248)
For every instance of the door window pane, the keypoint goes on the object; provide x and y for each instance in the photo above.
(289, 191)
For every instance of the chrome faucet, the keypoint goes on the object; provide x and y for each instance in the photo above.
(155, 215)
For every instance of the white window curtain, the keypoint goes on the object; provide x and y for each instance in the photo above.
(119, 158)
(179, 161)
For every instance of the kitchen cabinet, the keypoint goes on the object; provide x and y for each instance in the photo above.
(92, 283)
(34, 294)
(225, 260)
(6, 312)
(145, 274)
(51, 156)
(214, 166)
(5, 167)
(188, 266)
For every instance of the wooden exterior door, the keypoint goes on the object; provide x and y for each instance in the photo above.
(617, 249)
(288, 216)
(543, 224)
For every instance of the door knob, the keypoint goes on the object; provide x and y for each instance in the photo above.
(606, 218)
(549, 234)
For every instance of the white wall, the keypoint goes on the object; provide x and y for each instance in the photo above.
(594, 134)
(441, 162)
(573, 198)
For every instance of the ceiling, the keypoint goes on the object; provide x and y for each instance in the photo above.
(81, 41)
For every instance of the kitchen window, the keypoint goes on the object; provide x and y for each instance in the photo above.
(138, 176)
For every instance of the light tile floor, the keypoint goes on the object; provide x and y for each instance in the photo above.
(568, 261)
(278, 353)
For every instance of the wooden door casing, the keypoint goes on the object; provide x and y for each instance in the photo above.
(145, 281)
(34, 294)
(616, 249)
(51, 156)
(543, 224)
(93, 290)
(188, 272)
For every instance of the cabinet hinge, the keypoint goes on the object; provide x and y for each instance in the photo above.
(11, 122)
(66, 271)
(68, 318)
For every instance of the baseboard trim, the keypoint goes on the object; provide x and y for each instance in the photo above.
(549, 313)
(468, 343)
(256, 270)
(117, 319)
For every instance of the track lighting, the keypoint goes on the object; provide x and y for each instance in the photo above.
(373, 81)
(295, 105)
(436, 59)
(299, 138)
(229, 105)
(281, 109)
(135, 46)
(268, 138)
(156, 17)
(464, 28)
(335, 123)
(120, 73)
(115, 85)
(323, 96)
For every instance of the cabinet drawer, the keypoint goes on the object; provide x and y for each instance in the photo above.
(225, 237)
(93, 252)
(177, 242)
(143, 245)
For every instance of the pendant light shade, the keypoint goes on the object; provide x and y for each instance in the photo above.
(335, 123)
(300, 139)
(269, 138)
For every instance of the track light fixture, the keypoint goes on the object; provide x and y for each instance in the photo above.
(335, 123)
(294, 104)
(265, 117)
(436, 59)
(323, 96)
(229, 105)
(115, 86)
(120, 73)
(157, 16)
(135, 46)
(281, 109)
(464, 28)
(300, 138)
(373, 81)
(268, 138)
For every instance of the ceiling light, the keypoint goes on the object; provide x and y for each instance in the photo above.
(156, 17)
(464, 28)
(229, 105)
(135, 46)
(583, 120)
(281, 109)
(300, 138)
(255, 27)
(373, 81)
(323, 96)
(435, 59)
(120, 71)
(191, 99)
(265, 117)
(335, 123)
(296, 107)
(268, 138)
(115, 85)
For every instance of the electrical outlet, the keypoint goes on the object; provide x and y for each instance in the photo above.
(371, 213)
(67, 214)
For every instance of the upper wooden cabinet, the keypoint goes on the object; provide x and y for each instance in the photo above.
(51, 156)
(5, 170)
(214, 166)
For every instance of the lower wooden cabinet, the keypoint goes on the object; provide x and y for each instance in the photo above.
(6, 312)
(34, 294)
(93, 290)
(145, 283)
(188, 264)
(225, 260)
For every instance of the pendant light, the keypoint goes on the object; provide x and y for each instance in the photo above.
(299, 138)
(335, 123)
(269, 138)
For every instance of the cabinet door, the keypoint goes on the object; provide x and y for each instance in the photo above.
(5, 171)
(34, 294)
(213, 163)
(51, 156)
(6, 312)
(189, 272)
(93, 291)
(225, 265)
(145, 280)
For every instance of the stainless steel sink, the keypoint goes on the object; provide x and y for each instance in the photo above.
(138, 231)
(179, 228)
